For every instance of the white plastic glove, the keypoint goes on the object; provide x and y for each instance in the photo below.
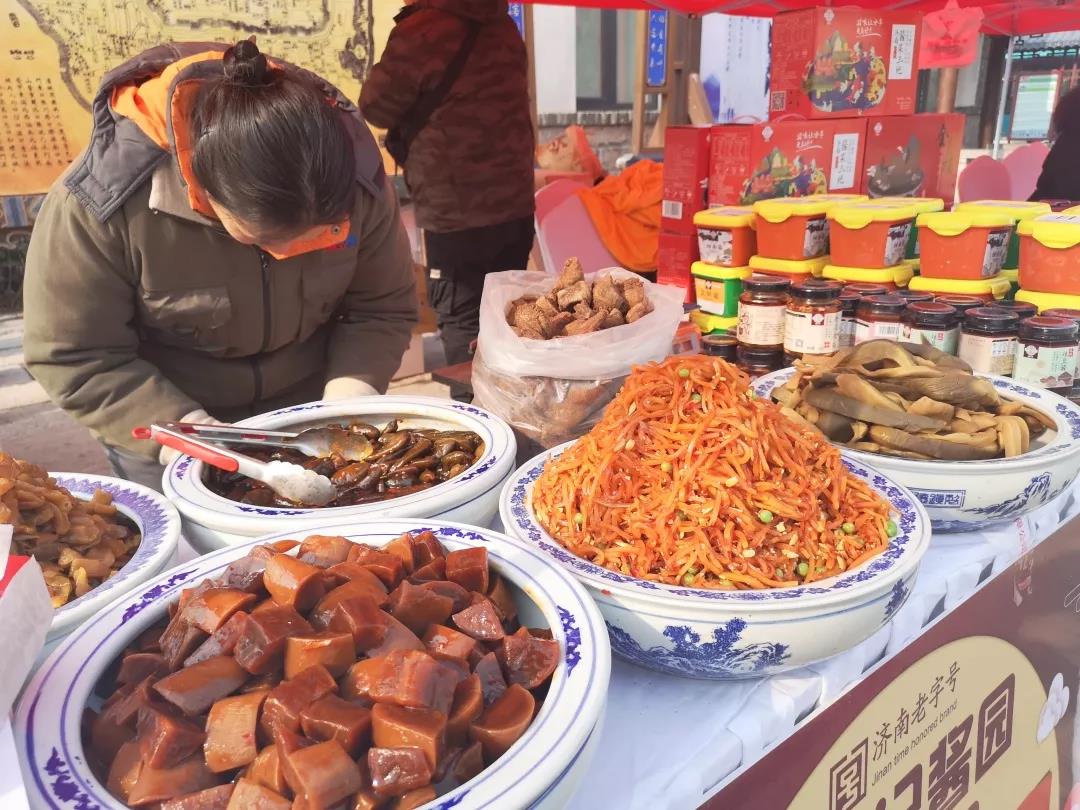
(348, 388)
(198, 416)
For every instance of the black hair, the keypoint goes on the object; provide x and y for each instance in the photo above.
(1066, 120)
(271, 148)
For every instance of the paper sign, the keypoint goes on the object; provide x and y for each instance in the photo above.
(656, 69)
(517, 14)
(7, 531)
(950, 37)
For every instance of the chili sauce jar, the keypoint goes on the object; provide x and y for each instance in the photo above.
(878, 317)
(988, 340)
(762, 311)
(812, 319)
(864, 289)
(720, 344)
(1022, 309)
(911, 296)
(849, 301)
(1046, 353)
(757, 362)
(932, 323)
(961, 303)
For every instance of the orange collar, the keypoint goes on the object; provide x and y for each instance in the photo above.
(146, 104)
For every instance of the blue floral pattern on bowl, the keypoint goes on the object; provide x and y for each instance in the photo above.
(690, 657)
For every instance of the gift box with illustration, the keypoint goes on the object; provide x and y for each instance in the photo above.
(794, 158)
(913, 156)
(839, 62)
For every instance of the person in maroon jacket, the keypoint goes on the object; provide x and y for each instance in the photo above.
(452, 90)
(1060, 177)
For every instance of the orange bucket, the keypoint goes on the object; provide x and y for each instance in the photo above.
(793, 228)
(963, 245)
(1050, 254)
(870, 235)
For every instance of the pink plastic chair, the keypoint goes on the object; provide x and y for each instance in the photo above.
(985, 179)
(548, 199)
(1024, 166)
(567, 231)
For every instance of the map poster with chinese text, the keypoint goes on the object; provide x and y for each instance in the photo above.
(55, 52)
(978, 713)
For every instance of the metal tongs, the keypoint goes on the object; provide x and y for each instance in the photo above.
(319, 442)
(289, 481)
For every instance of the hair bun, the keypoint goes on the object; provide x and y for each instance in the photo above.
(245, 64)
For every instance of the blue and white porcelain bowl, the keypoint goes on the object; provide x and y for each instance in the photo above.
(212, 521)
(723, 635)
(963, 496)
(159, 525)
(542, 769)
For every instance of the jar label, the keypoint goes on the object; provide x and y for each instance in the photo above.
(997, 248)
(847, 333)
(816, 238)
(896, 243)
(1049, 366)
(946, 340)
(716, 246)
(872, 330)
(988, 355)
(812, 332)
(760, 325)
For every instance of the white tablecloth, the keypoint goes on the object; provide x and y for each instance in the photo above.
(672, 742)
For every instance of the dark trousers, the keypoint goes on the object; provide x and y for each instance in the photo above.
(457, 263)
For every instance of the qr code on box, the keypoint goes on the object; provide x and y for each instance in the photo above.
(778, 101)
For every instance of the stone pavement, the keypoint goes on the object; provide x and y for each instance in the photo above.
(32, 428)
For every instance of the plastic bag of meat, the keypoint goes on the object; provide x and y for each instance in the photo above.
(554, 351)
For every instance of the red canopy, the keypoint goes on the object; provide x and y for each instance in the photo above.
(1011, 17)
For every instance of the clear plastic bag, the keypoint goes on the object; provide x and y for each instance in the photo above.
(551, 391)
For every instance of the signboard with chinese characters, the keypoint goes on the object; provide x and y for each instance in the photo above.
(978, 713)
(656, 67)
(517, 14)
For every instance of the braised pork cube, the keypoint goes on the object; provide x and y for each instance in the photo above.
(162, 784)
(468, 567)
(492, 682)
(445, 641)
(403, 547)
(461, 597)
(222, 641)
(415, 798)
(428, 548)
(467, 707)
(321, 615)
(481, 621)
(246, 574)
(333, 650)
(194, 689)
(432, 572)
(293, 583)
(138, 667)
(248, 795)
(361, 618)
(386, 566)
(124, 770)
(416, 680)
(180, 639)
(331, 718)
(166, 740)
(469, 763)
(500, 596)
(399, 727)
(266, 770)
(323, 551)
(323, 774)
(527, 659)
(286, 701)
(261, 647)
(231, 731)
(353, 572)
(503, 722)
(215, 798)
(417, 607)
(396, 771)
(213, 607)
(360, 680)
(396, 637)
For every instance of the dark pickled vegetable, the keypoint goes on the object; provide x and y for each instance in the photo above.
(404, 461)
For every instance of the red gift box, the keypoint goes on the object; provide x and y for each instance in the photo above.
(913, 156)
(843, 62)
(686, 177)
(785, 159)
(677, 251)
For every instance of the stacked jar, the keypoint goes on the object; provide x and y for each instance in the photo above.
(762, 313)
(1046, 353)
(1074, 316)
(1049, 260)
(726, 241)
(963, 252)
(869, 242)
